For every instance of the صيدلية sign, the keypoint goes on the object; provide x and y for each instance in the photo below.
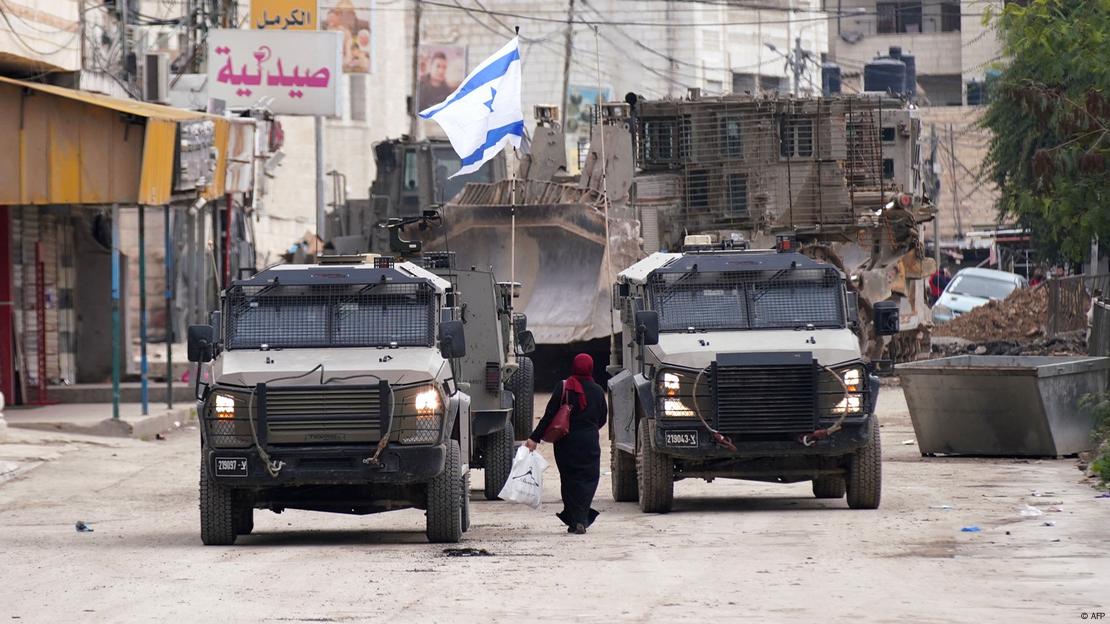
(292, 72)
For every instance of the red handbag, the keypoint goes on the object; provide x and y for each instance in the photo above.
(560, 424)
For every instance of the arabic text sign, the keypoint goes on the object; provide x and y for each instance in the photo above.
(283, 14)
(295, 72)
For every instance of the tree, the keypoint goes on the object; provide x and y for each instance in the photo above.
(1049, 114)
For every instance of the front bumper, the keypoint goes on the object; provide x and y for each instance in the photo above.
(325, 465)
(674, 439)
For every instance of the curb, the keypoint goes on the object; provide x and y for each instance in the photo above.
(145, 428)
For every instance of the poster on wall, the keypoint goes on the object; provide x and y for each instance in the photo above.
(283, 14)
(354, 20)
(294, 72)
(440, 69)
(581, 101)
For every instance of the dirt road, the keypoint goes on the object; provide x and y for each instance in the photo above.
(731, 551)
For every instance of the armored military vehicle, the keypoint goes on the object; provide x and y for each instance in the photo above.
(842, 174)
(747, 365)
(333, 387)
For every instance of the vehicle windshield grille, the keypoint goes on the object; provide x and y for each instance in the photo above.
(329, 315)
(784, 299)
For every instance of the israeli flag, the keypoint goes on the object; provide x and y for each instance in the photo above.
(483, 115)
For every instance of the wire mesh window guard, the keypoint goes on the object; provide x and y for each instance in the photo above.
(784, 299)
(330, 315)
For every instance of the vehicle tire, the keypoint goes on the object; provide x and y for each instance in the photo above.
(623, 468)
(522, 385)
(444, 509)
(829, 487)
(654, 474)
(466, 502)
(500, 447)
(217, 510)
(244, 518)
(865, 473)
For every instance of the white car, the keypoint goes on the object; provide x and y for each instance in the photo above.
(971, 288)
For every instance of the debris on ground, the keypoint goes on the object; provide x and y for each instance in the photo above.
(1019, 318)
(970, 529)
(82, 527)
(1031, 512)
(909, 442)
(467, 552)
(1014, 326)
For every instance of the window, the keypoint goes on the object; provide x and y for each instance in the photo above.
(796, 137)
(731, 138)
(697, 189)
(898, 17)
(738, 194)
(772, 84)
(888, 168)
(659, 141)
(411, 174)
(950, 17)
(888, 135)
(743, 83)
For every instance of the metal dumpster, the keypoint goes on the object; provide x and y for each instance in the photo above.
(1003, 405)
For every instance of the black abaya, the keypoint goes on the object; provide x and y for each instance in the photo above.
(578, 454)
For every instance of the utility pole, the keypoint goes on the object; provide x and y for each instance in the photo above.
(568, 45)
(955, 184)
(796, 60)
(933, 180)
(414, 122)
(123, 10)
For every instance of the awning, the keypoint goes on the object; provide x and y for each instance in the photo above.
(76, 147)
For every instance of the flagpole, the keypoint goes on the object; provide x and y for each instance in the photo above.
(605, 198)
(512, 245)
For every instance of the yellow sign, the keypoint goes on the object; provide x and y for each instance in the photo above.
(283, 14)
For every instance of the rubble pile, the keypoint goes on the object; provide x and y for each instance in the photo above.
(1070, 343)
(1021, 317)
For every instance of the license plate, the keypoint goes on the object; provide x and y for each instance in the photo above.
(231, 466)
(687, 439)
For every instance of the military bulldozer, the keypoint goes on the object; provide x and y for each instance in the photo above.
(841, 175)
(561, 239)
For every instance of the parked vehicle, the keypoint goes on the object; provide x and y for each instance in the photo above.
(743, 365)
(971, 288)
(333, 388)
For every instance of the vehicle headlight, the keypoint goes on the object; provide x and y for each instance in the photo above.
(427, 402)
(417, 415)
(853, 382)
(225, 406)
(227, 426)
(942, 313)
(676, 395)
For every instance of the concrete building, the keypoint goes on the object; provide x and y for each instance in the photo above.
(951, 46)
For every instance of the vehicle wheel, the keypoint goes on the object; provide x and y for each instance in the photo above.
(466, 502)
(623, 467)
(865, 473)
(444, 511)
(522, 385)
(654, 474)
(217, 511)
(499, 460)
(829, 487)
(244, 519)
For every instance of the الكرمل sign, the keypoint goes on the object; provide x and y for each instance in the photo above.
(283, 14)
(292, 72)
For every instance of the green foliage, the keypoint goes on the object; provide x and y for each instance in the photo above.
(1099, 405)
(1050, 118)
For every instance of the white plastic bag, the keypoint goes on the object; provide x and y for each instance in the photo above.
(525, 482)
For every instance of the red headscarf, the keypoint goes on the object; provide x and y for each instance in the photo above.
(582, 369)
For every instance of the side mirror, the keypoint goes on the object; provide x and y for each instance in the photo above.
(201, 343)
(452, 341)
(647, 327)
(525, 342)
(886, 318)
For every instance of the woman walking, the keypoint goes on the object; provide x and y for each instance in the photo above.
(578, 454)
